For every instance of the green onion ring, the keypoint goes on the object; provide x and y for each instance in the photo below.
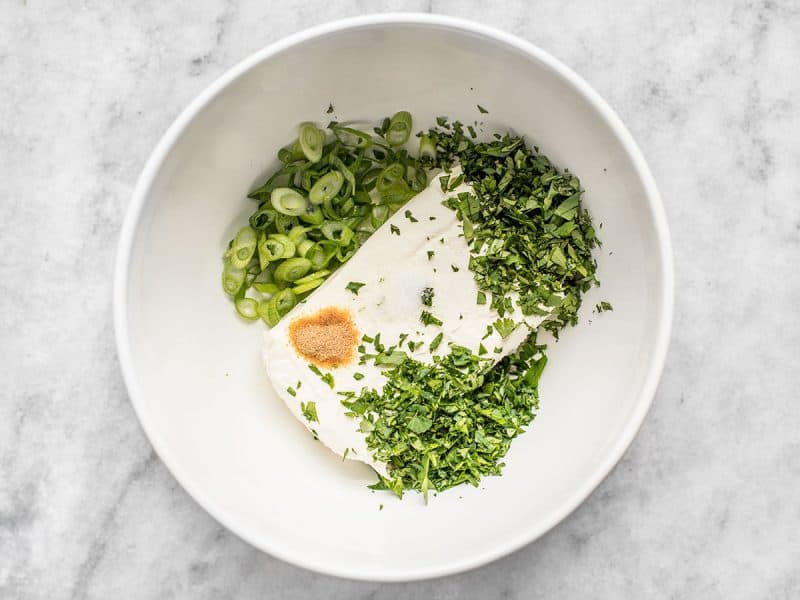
(292, 269)
(311, 140)
(326, 187)
(288, 201)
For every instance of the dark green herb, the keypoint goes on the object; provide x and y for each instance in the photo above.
(604, 306)
(430, 254)
(410, 216)
(427, 296)
(428, 319)
(436, 341)
(394, 229)
(524, 213)
(455, 268)
(480, 108)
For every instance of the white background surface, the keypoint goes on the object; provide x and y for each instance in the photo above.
(705, 503)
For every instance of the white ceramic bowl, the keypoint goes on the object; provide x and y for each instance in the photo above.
(193, 370)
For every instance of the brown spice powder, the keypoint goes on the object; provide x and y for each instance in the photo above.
(327, 338)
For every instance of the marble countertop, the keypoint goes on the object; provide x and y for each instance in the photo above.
(705, 504)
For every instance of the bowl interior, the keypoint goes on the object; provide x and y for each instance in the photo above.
(194, 369)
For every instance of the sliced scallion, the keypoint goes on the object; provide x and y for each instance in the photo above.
(307, 287)
(337, 232)
(326, 187)
(311, 140)
(232, 278)
(292, 269)
(288, 201)
(427, 149)
(247, 308)
(399, 128)
(243, 247)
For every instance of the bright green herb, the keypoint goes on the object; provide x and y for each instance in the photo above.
(603, 306)
(354, 286)
(451, 422)
(291, 391)
(309, 410)
(358, 376)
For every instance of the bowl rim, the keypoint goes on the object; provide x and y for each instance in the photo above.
(131, 222)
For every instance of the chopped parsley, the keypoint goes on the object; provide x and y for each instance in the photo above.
(431, 254)
(410, 216)
(604, 306)
(354, 286)
(394, 229)
(427, 296)
(291, 391)
(451, 422)
(455, 268)
(330, 108)
(436, 341)
(504, 327)
(309, 410)
(428, 319)
(483, 110)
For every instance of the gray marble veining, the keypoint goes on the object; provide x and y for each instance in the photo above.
(705, 504)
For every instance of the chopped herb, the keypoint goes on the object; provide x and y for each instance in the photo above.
(442, 424)
(480, 108)
(367, 338)
(358, 376)
(330, 108)
(328, 378)
(504, 327)
(394, 229)
(431, 218)
(428, 319)
(299, 383)
(354, 286)
(427, 296)
(380, 507)
(523, 212)
(291, 391)
(482, 350)
(604, 306)
(444, 180)
(436, 341)
(346, 452)
(393, 358)
(309, 410)
(481, 297)
(315, 370)
(455, 268)
(410, 216)
(430, 254)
